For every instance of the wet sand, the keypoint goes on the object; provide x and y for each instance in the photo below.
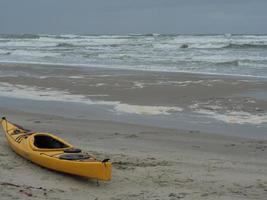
(149, 162)
(136, 87)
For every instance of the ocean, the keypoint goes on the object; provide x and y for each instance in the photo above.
(235, 55)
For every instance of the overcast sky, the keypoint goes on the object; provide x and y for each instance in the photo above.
(133, 16)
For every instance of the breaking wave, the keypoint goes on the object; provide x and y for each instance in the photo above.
(211, 54)
(223, 46)
(20, 36)
(245, 46)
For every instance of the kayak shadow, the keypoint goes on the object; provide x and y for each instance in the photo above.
(73, 178)
(64, 177)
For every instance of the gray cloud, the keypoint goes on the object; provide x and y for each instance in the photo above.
(133, 16)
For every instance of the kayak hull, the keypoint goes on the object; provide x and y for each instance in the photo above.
(23, 143)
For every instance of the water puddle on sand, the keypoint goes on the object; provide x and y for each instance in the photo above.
(190, 122)
(260, 95)
(48, 94)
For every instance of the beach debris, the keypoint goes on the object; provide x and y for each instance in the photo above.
(9, 184)
(28, 190)
(184, 46)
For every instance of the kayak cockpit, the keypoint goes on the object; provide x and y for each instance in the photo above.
(46, 141)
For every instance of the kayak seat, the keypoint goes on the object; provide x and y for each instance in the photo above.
(74, 156)
(73, 150)
(48, 142)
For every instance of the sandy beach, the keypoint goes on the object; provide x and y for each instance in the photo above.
(169, 135)
(158, 99)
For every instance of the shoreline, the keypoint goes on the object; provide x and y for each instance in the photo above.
(106, 68)
(197, 102)
(180, 121)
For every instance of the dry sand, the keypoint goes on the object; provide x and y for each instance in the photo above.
(148, 163)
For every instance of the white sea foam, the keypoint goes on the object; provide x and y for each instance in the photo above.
(76, 77)
(138, 84)
(100, 84)
(231, 117)
(141, 84)
(235, 117)
(147, 110)
(49, 94)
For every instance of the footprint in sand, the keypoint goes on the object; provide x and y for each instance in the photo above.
(116, 133)
(132, 136)
(123, 162)
(174, 196)
(3, 154)
(230, 145)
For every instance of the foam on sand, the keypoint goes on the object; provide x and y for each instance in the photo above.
(146, 110)
(49, 94)
(232, 117)
(143, 84)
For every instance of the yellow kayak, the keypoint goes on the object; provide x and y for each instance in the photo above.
(50, 151)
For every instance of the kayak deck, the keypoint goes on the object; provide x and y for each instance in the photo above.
(52, 152)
